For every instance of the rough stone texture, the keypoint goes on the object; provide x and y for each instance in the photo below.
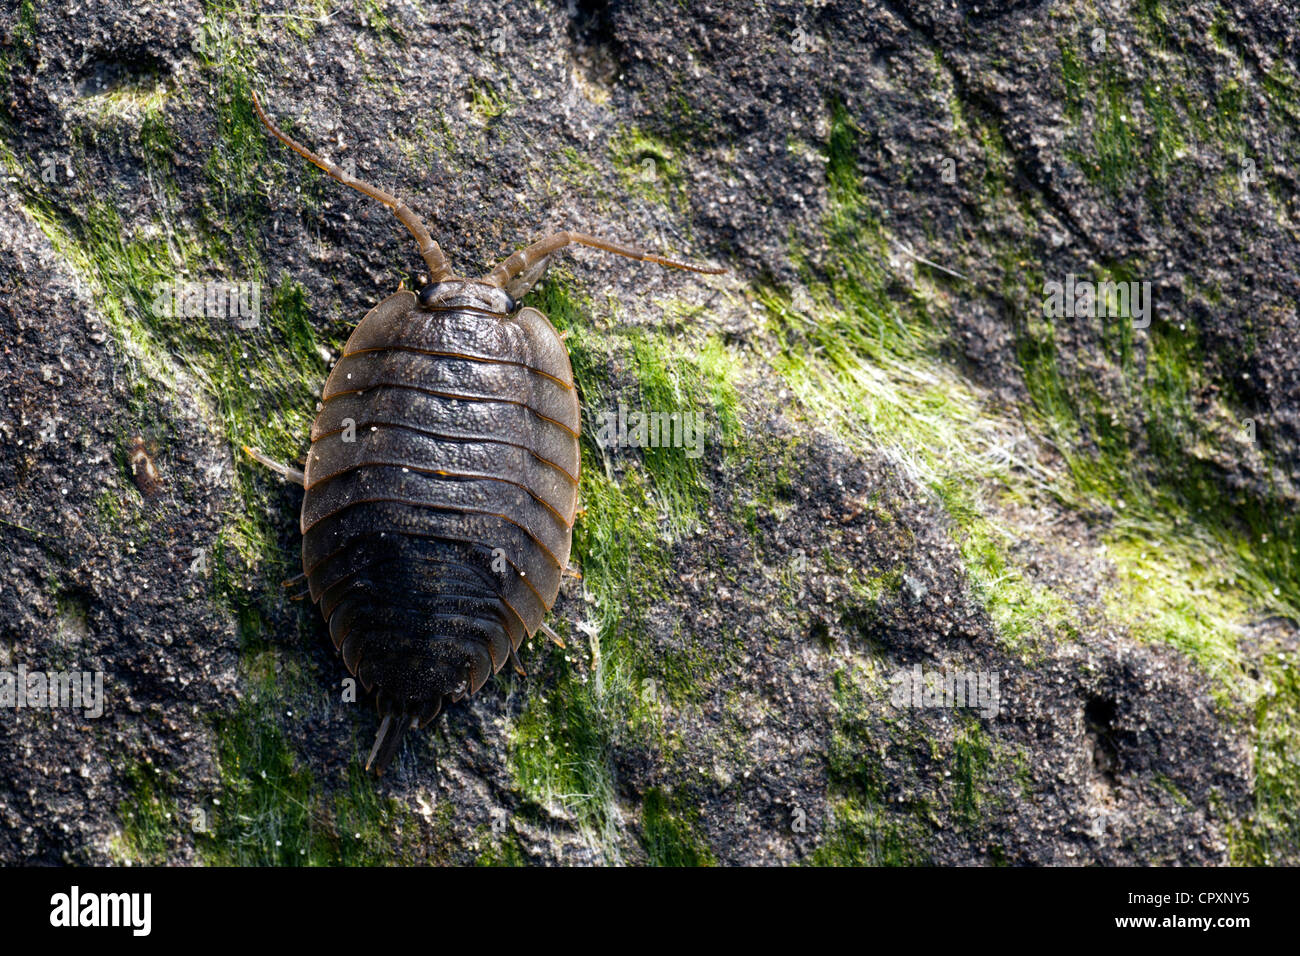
(1107, 750)
(77, 597)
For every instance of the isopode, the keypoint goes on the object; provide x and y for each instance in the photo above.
(441, 485)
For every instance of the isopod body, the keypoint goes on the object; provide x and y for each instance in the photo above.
(441, 485)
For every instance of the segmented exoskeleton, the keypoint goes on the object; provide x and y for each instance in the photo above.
(441, 485)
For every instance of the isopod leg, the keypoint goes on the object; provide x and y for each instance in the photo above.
(290, 474)
(525, 260)
(547, 632)
(294, 582)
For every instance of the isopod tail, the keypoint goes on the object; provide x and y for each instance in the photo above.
(387, 741)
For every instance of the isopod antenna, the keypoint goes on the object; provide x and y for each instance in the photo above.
(533, 256)
(433, 256)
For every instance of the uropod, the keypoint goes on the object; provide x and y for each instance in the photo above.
(441, 485)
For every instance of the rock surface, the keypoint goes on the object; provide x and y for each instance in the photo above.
(909, 465)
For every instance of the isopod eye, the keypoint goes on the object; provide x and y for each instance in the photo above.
(427, 294)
